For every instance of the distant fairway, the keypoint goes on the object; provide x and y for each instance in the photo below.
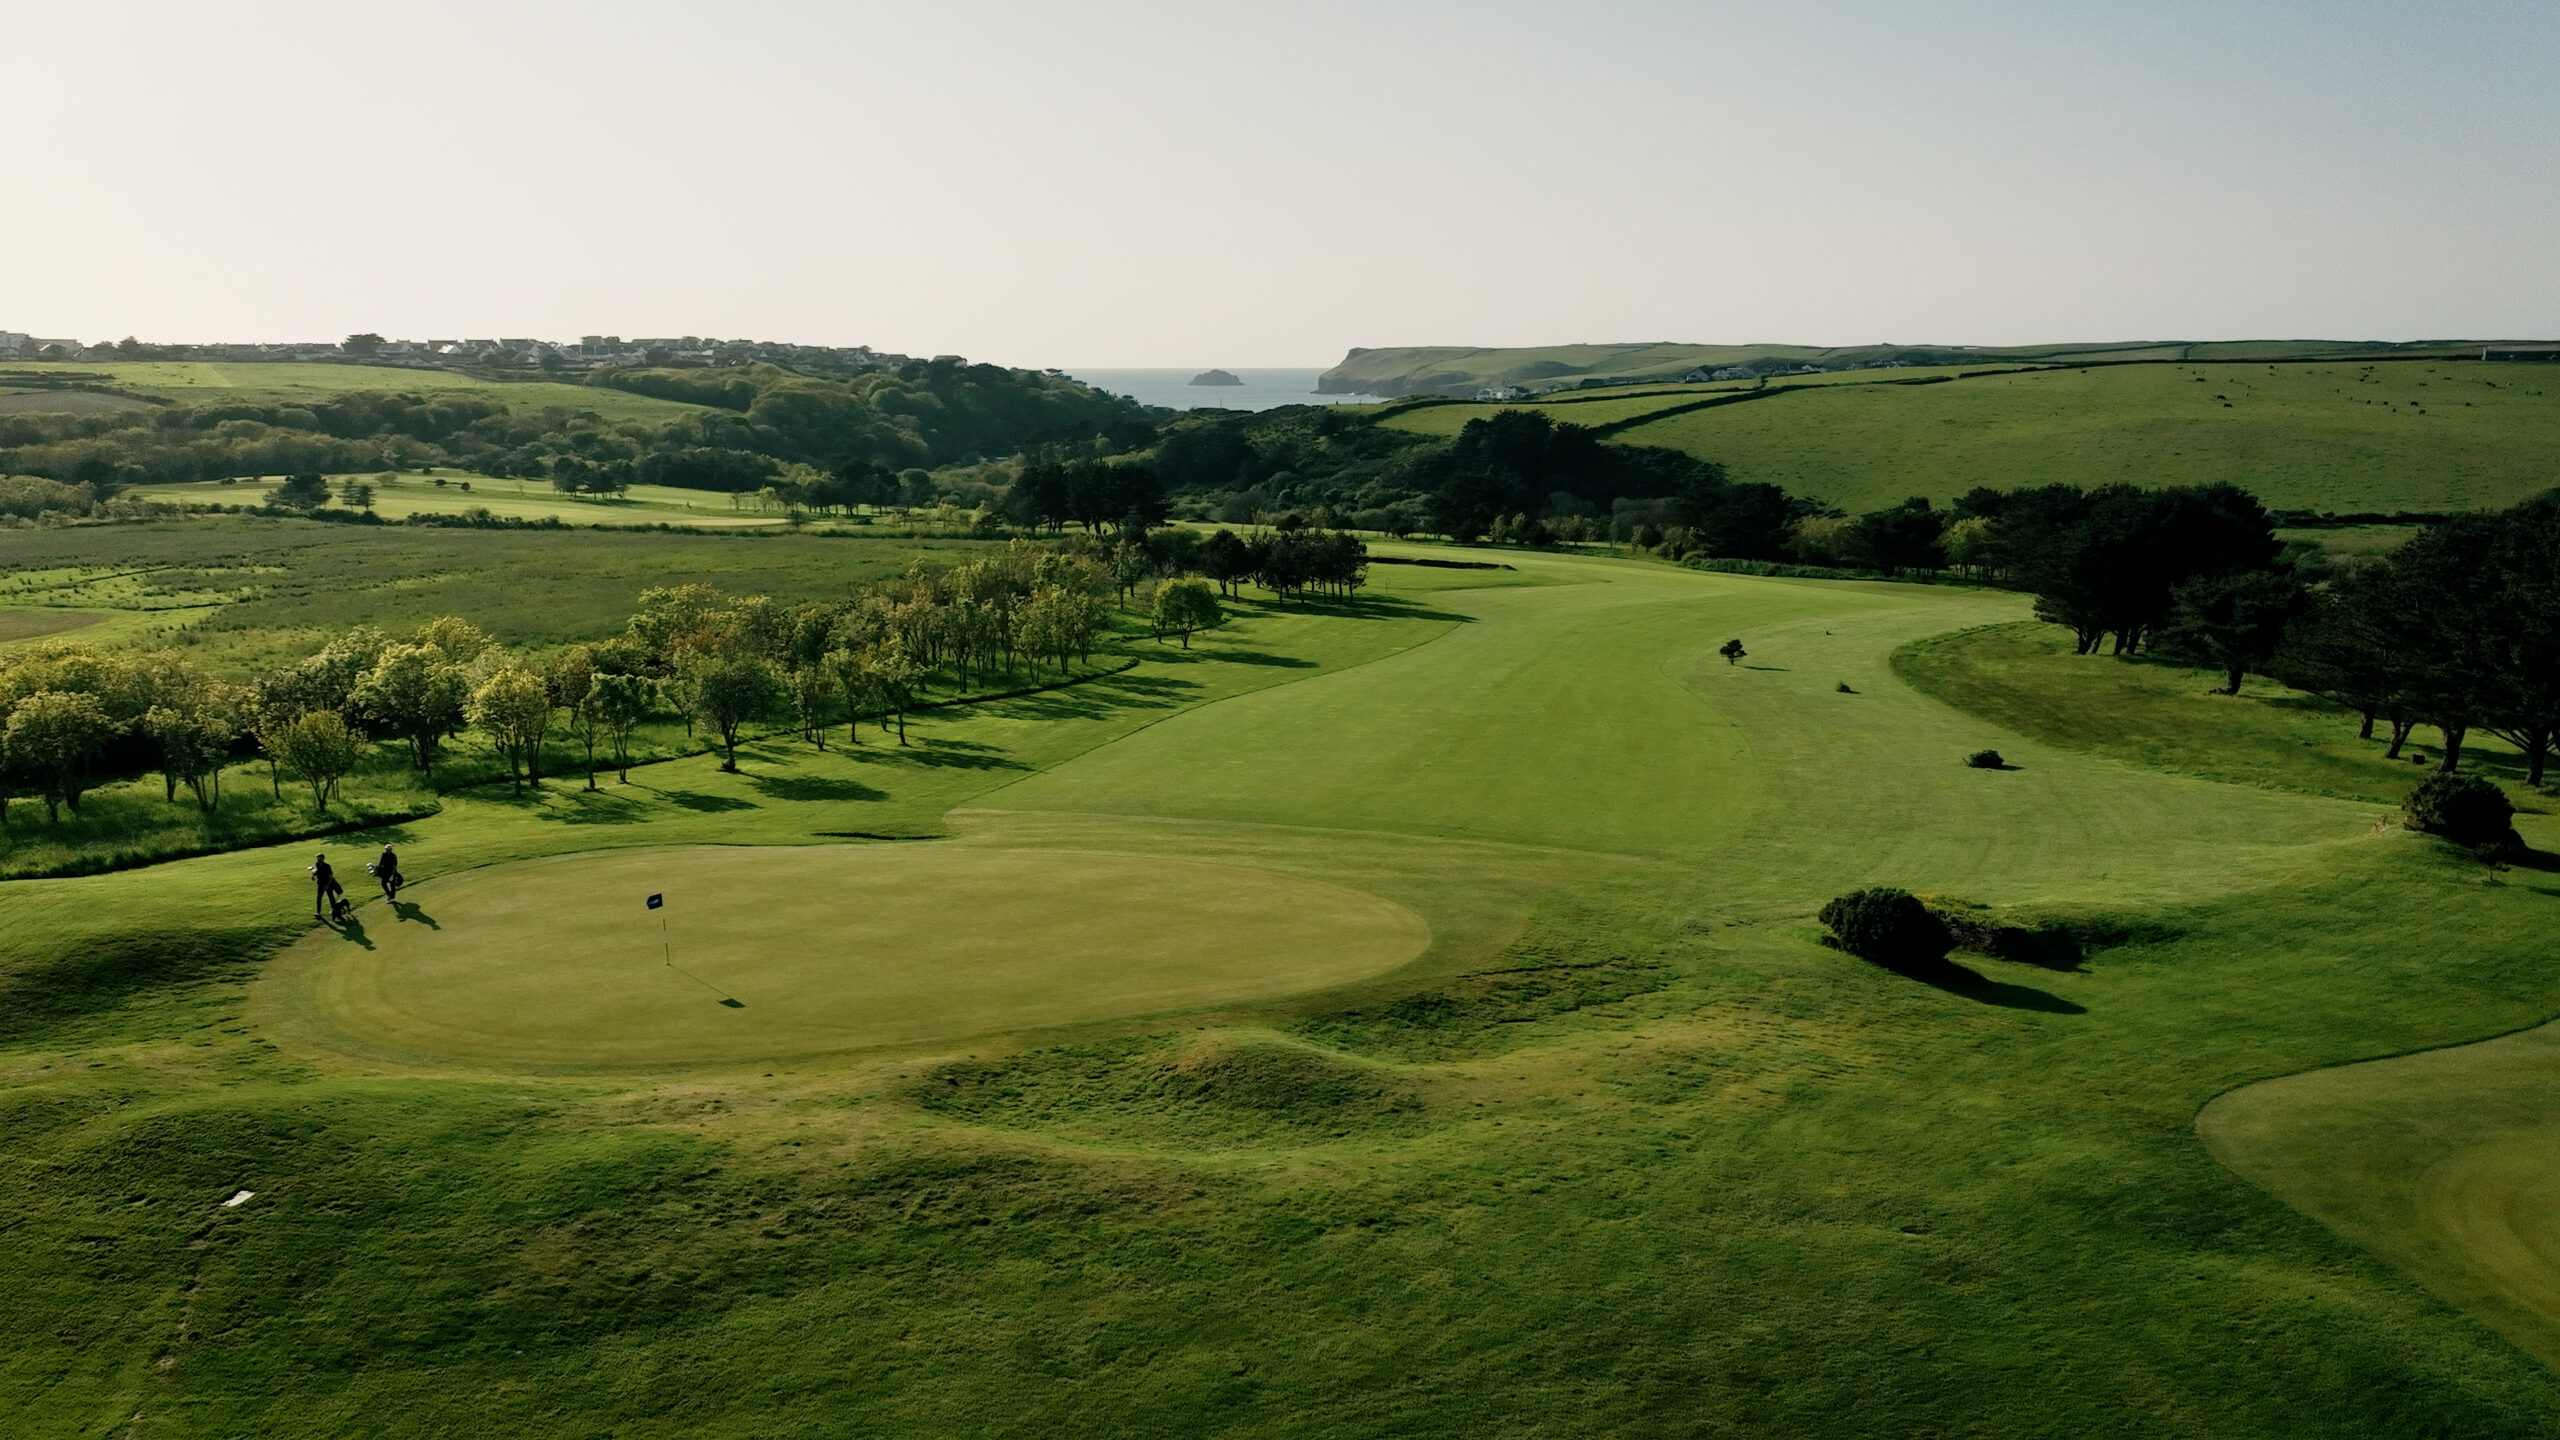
(824, 948)
(2334, 435)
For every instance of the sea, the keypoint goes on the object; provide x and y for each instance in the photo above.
(1261, 390)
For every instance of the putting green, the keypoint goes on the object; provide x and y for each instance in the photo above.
(2446, 1163)
(783, 950)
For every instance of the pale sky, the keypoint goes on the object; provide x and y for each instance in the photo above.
(1097, 184)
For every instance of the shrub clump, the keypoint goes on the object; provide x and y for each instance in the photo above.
(1887, 926)
(1985, 760)
(2464, 809)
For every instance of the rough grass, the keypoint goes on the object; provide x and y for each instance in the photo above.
(1625, 1153)
(2155, 713)
(2332, 436)
(281, 585)
(36, 624)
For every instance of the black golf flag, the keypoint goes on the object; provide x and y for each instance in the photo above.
(657, 900)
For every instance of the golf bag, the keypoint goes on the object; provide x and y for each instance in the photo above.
(391, 882)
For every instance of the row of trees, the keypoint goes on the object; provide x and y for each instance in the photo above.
(1516, 476)
(731, 661)
(2458, 629)
(723, 663)
(1288, 563)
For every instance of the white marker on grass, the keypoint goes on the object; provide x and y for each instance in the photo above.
(236, 1201)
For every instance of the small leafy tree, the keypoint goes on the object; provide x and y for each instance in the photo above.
(813, 696)
(461, 641)
(195, 732)
(571, 678)
(1186, 605)
(514, 706)
(302, 492)
(619, 703)
(1887, 926)
(732, 693)
(1226, 560)
(419, 694)
(1130, 568)
(55, 734)
(854, 682)
(2233, 623)
(1732, 651)
(2464, 809)
(318, 748)
(894, 677)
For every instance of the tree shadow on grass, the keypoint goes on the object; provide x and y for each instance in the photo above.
(597, 807)
(708, 804)
(1972, 984)
(1097, 700)
(2542, 861)
(1152, 686)
(1386, 607)
(939, 755)
(814, 788)
(1261, 657)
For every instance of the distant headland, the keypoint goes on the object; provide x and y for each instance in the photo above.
(1215, 377)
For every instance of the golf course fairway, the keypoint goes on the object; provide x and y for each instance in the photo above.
(1399, 1015)
(766, 951)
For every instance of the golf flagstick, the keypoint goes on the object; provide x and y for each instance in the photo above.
(666, 948)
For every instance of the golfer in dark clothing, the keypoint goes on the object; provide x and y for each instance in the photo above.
(386, 869)
(326, 881)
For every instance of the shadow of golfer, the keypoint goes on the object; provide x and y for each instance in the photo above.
(406, 910)
(352, 928)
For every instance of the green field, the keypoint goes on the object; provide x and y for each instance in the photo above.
(1462, 369)
(1394, 1018)
(413, 492)
(2423, 436)
(203, 382)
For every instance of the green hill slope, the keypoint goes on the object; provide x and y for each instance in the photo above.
(1464, 369)
(204, 382)
(2337, 437)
